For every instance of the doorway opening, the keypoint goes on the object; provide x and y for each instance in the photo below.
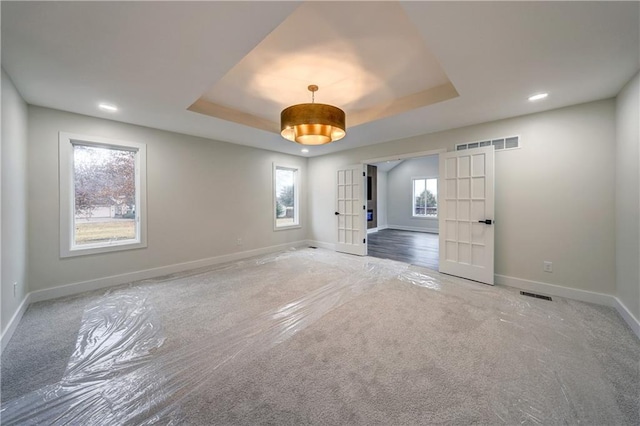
(402, 209)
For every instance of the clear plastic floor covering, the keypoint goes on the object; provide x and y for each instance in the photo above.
(128, 368)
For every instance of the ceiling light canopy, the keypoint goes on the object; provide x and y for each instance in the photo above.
(312, 124)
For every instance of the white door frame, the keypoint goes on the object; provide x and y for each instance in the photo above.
(406, 156)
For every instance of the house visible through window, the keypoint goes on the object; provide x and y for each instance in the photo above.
(101, 195)
(425, 197)
(286, 196)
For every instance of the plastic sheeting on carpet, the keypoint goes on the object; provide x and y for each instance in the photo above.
(112, 377)
(127, 370)
(117, 336)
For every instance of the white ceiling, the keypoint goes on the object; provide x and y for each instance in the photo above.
(155, 59)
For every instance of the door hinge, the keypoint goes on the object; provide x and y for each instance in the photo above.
(363, 174)
(364, 240)
(364, 207)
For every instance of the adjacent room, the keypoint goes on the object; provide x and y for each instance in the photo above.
(402, 215)
(320, 213)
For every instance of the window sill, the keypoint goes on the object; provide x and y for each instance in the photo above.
(425, 217)
(98, 249)
(284, 228)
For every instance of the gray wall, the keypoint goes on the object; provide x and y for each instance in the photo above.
(382, 199)
(202, 196)
(554, 196)
(628, 196)
(399, 190)
(14, 199)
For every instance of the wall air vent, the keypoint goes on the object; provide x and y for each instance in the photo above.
(499, 144)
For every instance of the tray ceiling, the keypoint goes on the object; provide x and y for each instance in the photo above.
(367, 58)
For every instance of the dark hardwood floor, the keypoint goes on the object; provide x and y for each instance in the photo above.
(417, 248)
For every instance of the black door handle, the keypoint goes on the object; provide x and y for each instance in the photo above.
(336, 213)
(488, 221)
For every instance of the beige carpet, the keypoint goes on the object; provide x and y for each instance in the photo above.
(316, 337)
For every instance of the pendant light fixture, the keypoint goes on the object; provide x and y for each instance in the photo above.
(312, 124)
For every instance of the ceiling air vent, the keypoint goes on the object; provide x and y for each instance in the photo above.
(499, 144)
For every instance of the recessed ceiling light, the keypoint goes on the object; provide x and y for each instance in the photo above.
(305, 150)
(108, 107)
(538, 96)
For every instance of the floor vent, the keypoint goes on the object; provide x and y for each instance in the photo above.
(537, 296)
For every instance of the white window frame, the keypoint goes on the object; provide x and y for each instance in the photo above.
(296, 194)
(68, 248)
(413, 198)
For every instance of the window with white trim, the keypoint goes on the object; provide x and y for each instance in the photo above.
(102, 195)
(286, 184)
(425, 198)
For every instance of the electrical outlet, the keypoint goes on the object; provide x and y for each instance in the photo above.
(239, 241)
(15, 289)
(547, 266)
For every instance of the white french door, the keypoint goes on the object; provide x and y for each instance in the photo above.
(466, 213)
(350, 210)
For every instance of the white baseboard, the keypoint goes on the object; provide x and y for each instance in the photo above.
(82, 286)
(372, 230)
(381, 227)
(414, 229)
(14, 321)
(572, 293)
(628, 317)
(555, 290)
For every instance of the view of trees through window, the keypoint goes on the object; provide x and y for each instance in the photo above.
(105, 194)
(425, 197)
(285, 197)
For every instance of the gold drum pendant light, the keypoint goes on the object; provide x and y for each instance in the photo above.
(312, 124)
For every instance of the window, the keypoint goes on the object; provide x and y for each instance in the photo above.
(102, 195)
(285, 191)
(425, 197)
